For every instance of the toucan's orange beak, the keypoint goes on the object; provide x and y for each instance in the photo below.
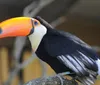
(20, 26)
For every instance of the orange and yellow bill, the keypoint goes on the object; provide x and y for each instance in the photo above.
(19, 26)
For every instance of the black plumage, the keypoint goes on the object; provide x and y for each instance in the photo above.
(65, 52)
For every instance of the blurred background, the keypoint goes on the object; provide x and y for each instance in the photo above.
(17, 62)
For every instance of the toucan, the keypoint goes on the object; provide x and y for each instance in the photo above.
(63, 51)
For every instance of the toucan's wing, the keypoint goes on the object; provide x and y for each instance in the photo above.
(76, 56)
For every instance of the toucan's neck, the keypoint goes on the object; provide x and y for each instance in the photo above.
(36, 37)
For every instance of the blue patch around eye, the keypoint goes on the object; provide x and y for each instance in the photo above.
(0, 30)
(35, 23)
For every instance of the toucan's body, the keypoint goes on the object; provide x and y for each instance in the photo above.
(63, 51)
(56, 44)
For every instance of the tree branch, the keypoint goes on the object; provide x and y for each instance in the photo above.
(55, 80)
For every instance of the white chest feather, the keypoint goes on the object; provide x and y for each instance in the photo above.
(37, 36)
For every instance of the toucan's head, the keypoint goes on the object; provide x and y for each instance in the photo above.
(21, 26)
(24, 26)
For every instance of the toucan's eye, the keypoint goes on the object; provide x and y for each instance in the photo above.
(35, 23)
(0, 30)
